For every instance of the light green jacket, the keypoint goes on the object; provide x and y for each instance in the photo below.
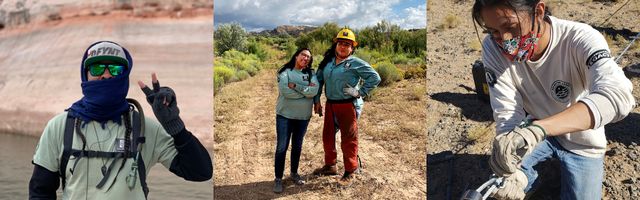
(296, 103)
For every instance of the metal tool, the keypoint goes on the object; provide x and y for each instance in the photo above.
(627, 48)
(487, 187)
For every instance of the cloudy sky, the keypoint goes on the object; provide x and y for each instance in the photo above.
(257, 15)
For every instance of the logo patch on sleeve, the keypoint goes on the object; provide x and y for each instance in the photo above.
(561, 91)
(595, 56)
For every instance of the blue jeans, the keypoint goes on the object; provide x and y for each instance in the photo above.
(289, 129)
(581, 177)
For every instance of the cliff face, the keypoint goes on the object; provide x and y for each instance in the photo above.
(14, 13)
(288, 30)
(40, 61)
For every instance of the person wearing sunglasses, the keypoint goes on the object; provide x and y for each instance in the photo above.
(553, 87)
(102, 147)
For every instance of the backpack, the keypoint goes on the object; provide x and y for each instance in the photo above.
(137, 138)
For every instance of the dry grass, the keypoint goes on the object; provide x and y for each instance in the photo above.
(418, 93)
(449, 22)
(391, 136)
(475, 45)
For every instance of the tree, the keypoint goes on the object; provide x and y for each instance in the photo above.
(230, 36)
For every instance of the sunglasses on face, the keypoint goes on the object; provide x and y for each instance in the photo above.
(98, 69)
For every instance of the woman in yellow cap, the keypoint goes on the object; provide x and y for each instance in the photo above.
(341, 74)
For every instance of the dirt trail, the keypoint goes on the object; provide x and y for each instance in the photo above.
(244, 146)
(461, 123)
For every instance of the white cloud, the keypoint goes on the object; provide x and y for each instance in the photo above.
(267, 14)
(415, 17)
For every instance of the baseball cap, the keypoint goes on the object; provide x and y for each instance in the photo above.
(106, 51)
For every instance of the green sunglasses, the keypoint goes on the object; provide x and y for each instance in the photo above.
(98, 69)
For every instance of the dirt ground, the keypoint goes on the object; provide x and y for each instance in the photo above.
(391, 145)
(39, 61)
(457, 121)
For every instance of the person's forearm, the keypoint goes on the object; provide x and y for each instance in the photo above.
(193, 162)
(43, 183)
(577, 117)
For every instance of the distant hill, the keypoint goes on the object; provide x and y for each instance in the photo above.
(287, 30)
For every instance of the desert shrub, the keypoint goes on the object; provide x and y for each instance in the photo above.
(364, 54)
(400, 59)
(416, 71)
(242, 75)
(258, 49)
(389, 73)
(416, 61)
(227, 74)
(229, 36)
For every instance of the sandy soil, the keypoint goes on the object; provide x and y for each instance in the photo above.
(391, 139)
(457, 121)
(39, 63)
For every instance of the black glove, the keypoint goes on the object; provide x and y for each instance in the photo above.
(164, 104)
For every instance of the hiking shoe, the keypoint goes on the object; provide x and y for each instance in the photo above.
(278, 187)
(346, 180)
(297, 179)
(326, 170)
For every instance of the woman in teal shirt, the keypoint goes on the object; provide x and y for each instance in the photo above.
(297, 85)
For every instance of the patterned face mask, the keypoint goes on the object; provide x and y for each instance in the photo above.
(520, 49)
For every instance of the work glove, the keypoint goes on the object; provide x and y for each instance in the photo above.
(508, 149)
(512, 187)
(164, 105)
(351, 91)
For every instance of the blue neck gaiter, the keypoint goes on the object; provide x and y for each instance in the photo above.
(103, 100)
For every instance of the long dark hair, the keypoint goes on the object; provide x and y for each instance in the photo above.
(330, 54)
(527, 6)
(292, 63)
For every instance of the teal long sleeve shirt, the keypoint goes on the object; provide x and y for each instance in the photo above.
(349, 72)
(296, 103)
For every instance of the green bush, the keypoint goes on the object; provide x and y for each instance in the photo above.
(400, 59)
(227, 74)
(389, 73)
(250, 66)
(416, 61)
(258, 49)
(364, 54)
(229, 36)
(242, 75)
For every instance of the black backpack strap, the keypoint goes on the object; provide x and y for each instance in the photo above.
(142, 172)
(139, 139)
(66, 152)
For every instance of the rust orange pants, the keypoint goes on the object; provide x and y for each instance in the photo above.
(341, 116)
